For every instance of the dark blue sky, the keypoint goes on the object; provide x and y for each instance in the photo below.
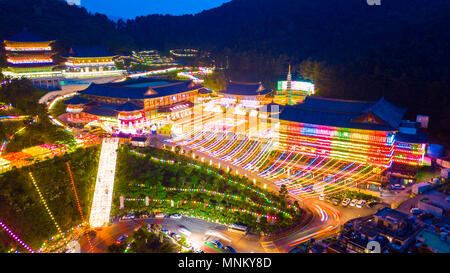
(132, 8)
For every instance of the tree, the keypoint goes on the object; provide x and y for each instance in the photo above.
(216, 81)
(145, 241)
(283, 193)
(116, 248)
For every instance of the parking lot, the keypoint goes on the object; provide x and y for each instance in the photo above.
(351, 210)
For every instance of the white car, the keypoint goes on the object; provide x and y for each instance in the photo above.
(361, 203)
(353, 202)
(184, 231)
(345, 202)
(322, 196)
(175, 216)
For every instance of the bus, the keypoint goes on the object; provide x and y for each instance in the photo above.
(237, 228)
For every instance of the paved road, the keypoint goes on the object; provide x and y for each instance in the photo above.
(67, 89)
(200, 230)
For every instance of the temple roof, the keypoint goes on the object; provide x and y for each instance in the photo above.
(26, 36)
(179, 106)
(76, 100)
(139, 89)
(102, 112)
(419, 137)
(204, 91)
(344, 114)
(347, 106)
(32, 65)
(245, 89)
(129, 107)
(388, 112)
(89, 52)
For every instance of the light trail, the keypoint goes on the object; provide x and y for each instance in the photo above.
(104, 186)
(45, 204)
(78, 203)
(15, 237)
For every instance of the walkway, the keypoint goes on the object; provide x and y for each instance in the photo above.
(103, 194)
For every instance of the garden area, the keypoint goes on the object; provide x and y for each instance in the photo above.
(34, 130)
(22, 210)
(352, 194)
(153, 180)
(144, 240)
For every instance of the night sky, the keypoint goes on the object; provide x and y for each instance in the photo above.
(132, 8)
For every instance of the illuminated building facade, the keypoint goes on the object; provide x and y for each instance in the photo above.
(293, 92)
(245, 95)
(90, 61)
(363, 133)
(31, 56)
(133, 106)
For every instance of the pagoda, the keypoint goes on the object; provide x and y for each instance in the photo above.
(292, 92)
(90, 61)
(31, 56)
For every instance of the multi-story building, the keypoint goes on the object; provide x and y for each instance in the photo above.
(31, 56)
(90, 61)
(357, 133)
(134, 105)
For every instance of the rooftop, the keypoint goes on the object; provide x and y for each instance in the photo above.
(76, 100)
(26, 36)
(345, 113)
(102, 112)
(392, 214)
(245, 89)
(139, 139)
(433, 240)
(89, 51)
(139, 89)
(419, 137)
(129, 107)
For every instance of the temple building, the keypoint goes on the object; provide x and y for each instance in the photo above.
(31, 56)
(245, 95)
(133, 106)
(293, 92)
(358, 132)
(90, 61)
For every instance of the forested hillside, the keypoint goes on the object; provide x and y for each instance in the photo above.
(399, 50)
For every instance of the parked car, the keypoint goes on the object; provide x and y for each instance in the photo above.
(361, 203)
(416, 211)
(372, 204)
(217, 243)
(175, 216)
(121, 239)
(353, 202)
(175, 236)
(185, 231)
(165, 231)
(229, 249)
(128, 217)
(346, 201)
(397, 187)
(425, 216)
(322, 196)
